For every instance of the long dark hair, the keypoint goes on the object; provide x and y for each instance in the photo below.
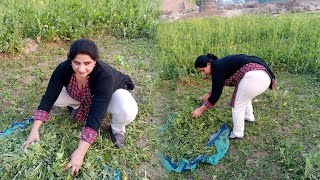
(83, 46)
(203, 60)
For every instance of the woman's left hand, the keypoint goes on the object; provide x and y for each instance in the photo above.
(76, 161)
(197, 113)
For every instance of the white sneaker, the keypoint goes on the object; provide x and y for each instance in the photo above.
(249, 118)
(233, 136)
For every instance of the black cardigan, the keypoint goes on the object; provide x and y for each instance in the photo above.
(223, 68)
(103, 81)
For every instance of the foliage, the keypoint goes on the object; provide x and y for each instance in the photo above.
(50, 20)
(130, 18)
(289, 43)
(291, 157)
(312, 168)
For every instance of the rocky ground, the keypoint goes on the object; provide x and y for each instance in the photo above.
(177, 9)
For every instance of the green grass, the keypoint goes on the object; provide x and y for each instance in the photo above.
(286, 42)
(283, 143)
(279, 145)
(52, 20)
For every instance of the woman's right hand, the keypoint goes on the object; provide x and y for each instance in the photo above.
(33, 136)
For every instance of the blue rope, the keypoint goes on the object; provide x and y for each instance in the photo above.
(15, 126)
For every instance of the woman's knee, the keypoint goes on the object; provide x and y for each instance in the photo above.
(129, 113)
(124, 105)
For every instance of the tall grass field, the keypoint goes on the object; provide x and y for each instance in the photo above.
(290, 43)
(49, 20)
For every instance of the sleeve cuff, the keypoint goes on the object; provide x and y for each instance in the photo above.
(88, 134)
(208, 104)
(41, 115)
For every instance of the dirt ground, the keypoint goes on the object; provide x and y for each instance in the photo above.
(181, 9)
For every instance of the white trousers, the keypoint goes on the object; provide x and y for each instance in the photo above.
(251, 85)
(122, 106)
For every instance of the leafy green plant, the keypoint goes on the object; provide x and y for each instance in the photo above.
(312, 168)
(292, 157)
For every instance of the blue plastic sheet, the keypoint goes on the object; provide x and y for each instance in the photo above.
(116, 173)
(221, 141)
(15, 126)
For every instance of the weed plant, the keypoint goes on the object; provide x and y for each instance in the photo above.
(289, 43)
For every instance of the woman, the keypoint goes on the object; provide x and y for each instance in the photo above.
(90, 88)
(249, 75)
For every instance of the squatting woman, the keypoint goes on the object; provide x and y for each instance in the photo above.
(89, 88)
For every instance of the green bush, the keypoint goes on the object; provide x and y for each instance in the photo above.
(285, 42)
